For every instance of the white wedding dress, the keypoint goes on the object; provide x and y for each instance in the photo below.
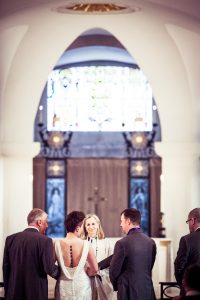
(73, 283)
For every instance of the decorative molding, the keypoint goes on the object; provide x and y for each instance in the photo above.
(140, 144)
(54, 144)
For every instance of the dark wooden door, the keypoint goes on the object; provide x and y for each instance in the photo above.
(99, 186)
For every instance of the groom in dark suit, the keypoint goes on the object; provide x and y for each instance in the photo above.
(28, 258)
(132, 261)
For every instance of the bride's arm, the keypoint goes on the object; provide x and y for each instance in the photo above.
(92, 266)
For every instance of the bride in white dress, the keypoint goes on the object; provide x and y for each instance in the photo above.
(73, 256)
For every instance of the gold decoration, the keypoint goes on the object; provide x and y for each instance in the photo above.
(96, 7)
(86, 7)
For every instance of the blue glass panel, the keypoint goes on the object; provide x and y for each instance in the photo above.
(55, 206)
(139, 199)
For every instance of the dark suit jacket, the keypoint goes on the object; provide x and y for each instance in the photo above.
(105, 263)
(188, 253)
(28, 258)
(131, 266)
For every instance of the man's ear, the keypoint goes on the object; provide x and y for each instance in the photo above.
(38, 222)
(128, 221)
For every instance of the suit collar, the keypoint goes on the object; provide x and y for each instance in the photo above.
(31, 228)
(134, 229)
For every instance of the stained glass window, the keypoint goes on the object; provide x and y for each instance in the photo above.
(140, 200)
(55, 206)
(99, 98)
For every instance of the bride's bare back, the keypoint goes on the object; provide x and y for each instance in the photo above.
(72, 249)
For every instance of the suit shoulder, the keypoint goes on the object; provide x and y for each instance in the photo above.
(123, 240)
(192, 236)
(12, 236)
(35, 236)
(188, 236)
(44, 238)
(152, 240)
(41, 240)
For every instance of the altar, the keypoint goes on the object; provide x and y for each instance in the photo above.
(162, 271)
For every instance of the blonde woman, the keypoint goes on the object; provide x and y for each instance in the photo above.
(93, 232)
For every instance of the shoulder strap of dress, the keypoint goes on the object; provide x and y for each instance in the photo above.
(85, 251)
(58, 251)
(83, 256)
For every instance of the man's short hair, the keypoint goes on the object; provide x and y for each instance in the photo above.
(195, 213)
(192, 277)
(36, 214)
(133, 214)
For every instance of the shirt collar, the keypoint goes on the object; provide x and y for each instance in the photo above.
(90, 239)
(33, 227)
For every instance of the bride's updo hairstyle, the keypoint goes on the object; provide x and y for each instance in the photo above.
(100, 232)
(73, 220)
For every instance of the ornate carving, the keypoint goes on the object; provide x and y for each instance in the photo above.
(140, 144)
(54, 144)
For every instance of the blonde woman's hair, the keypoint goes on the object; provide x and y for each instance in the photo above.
(100, 232)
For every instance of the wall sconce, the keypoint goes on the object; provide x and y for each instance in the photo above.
(139, 140)
(139, 168)
(56, 140)
(55, 168)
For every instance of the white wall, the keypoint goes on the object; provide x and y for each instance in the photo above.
(179, 186)
(165, 45)
(1, 216)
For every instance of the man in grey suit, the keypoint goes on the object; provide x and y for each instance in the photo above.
(28, 258)
(189, 247)
(133, 260)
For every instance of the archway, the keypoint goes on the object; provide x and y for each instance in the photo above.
(133, 145)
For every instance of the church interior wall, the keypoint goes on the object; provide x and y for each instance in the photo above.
(33, 42)
(1, 213)
(179, 186)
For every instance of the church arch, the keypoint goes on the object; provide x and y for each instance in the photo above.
(135, 147)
